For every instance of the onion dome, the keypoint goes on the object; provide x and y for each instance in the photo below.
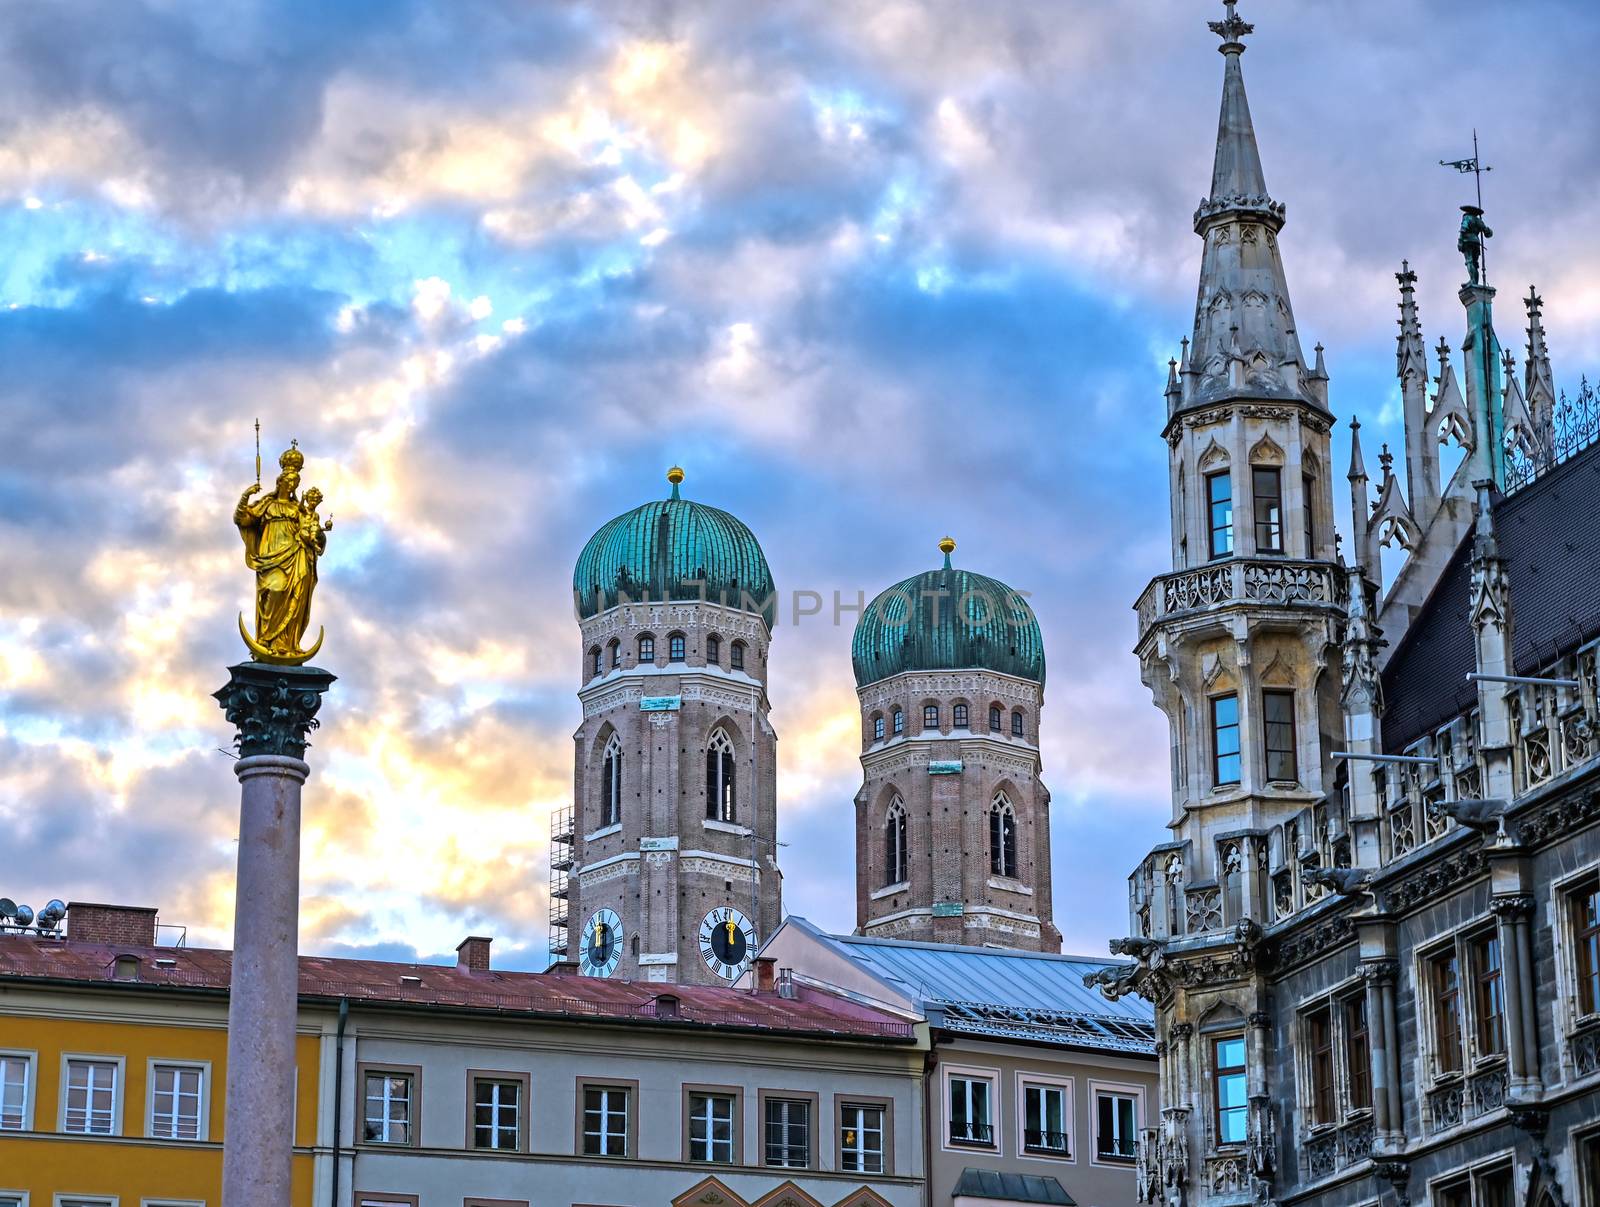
(673, 549)
(947, 619)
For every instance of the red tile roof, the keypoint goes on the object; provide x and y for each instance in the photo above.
(812, 1012)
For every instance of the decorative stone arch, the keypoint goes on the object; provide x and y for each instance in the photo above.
(1310, 464)
(1215, 676)
(1278, 673)
(864, 1197)
(1213, 458)
(1266, 452)
(1222, 1016)
(611, 778)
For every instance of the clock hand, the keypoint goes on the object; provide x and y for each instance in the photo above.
(733, 929)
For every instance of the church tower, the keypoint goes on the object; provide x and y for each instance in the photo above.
(952, 820)
(1235, 642)
(667, 868)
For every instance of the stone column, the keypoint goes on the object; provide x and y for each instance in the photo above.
(273, 707)
(1518, 974)
(1380, 1039)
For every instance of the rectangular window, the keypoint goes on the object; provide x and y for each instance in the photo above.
(15, 1074)
(1277, 710)
(1489, 996)
(387, 1108)
(1231, 1095)
(1444, 977)
(1319, 1044)
(1589, 1168)
(860, 1138)
(1224, 740)
(1219, 491)
(1494, 1187)
(1116, 1126)
(1308, 504)
(1357, 1053)
(1586, 942)
(175, 1102)
(970, 1120)
(1453, 1194)
(1266, 489)
(788, 1133)
(1044, 1123)
(711, 1128)
(605, 1121)
(496, 1114)
(91, 1097)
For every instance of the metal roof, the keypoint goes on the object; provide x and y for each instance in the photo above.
(1012, 1187)
(994, 991)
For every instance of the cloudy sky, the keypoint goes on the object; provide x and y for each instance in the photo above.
(871, 270)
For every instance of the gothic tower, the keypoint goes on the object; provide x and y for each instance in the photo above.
(952, 820)
(673, 872)
(1234, 643)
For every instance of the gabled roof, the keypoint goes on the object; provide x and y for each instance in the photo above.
(379, 983)
(997, 992)
(1549, 535)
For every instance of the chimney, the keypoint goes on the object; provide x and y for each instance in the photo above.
(473, 953)
(563, 967)
(764, 967)
(114, 925)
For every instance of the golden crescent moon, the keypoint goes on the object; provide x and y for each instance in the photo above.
(263, 654)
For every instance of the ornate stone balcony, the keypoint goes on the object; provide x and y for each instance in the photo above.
(1272, 581)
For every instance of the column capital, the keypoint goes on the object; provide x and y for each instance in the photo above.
(1519, 905)
(1182, 1031)
(273, 707)
(1260, 1019)
(1380, 972)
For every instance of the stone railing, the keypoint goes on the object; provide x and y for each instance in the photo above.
(1271, 581)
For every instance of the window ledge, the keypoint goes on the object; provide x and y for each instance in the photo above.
(1054, 1154)
(890, 890)
(726, 827)
(603, 832)
(1009, 885)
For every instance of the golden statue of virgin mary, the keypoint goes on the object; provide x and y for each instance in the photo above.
(283, 537)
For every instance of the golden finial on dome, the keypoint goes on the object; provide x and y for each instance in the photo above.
(675, 476)
(947, 546)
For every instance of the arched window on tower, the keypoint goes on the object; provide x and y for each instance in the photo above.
(738, 655)
(899, 721)
(721, 798)
(930, 716)
(961, 716)
(895, 862)
(877, 727)
(1002, 837)
(647, 648)
(596, 663)
(713, 650)
(1016, 724)
(611, 783)
(616, 653)
(994, 718)
(675, 647)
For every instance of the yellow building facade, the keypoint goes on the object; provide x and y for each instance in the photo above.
(112, 1096)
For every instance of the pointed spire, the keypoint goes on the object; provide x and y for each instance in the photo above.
(1174, 390)
(1411, 365)
(1245, 343)
(1539, 387)
(1358, 467)
(1450, 418)
(1236, 171)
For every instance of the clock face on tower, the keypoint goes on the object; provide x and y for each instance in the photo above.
(727, 941)
(601, 945)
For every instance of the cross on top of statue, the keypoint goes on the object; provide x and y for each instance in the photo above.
(1231, 29)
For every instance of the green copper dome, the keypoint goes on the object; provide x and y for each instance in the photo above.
(673, 549)
(947, 619)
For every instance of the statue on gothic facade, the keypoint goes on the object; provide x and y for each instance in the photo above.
(1474, 230)
(283, 538)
